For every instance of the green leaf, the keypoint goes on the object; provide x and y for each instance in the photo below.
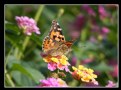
(12, 27)
(14, 41)
(36, 39)
(102, 67)
(12, 60)
(30, 72)
(17, 77)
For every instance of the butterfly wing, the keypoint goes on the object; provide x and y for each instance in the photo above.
(56, 32)
(55, 44)
(55, 35)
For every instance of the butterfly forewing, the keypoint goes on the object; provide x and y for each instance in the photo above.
(56, 32)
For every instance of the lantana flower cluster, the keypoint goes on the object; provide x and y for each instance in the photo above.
(27, 24)
(57, 62)
(53, 82)
(84, 74)
(61, 63)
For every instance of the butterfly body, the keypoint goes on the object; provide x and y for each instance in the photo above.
(55, 44)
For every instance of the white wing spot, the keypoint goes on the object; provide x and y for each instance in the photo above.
(59, 29)
(57, 23)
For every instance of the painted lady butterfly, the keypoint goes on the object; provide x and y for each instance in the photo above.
(55, 44)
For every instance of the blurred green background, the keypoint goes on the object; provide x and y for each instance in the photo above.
(94, 28)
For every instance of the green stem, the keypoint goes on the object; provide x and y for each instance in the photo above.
(9, 79)
(6, 59)
(24, 46)
(58, 71)
(60, 13)
(38, 14)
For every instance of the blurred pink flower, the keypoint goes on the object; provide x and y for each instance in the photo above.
(114, 73)
(102, 12)
(86, 61)
(110, 84)
(94, 25)
(49, 82)
(91, 85)
(52, 66)
(113, 63)
(76, 26)
(53, 82)
(73, 61)
(27, 24)
(89, 10)
(93, 39)
(105, 30)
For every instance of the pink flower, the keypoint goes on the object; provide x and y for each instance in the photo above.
(89, 10)
(63, 67)
(53, 82)
(103, 13)
(52, 66)
(92, 39)
(111, 84)
(73, 61)
(86, 61)
(27, 24)
(113, 64)
(49, 82)
(105, 30)
(76, 26)
(114, 73)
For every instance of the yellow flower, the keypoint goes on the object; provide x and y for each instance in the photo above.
(85, 74)
(81, 67)
(63, 62)
(74, 68)
(55, 59)
(90, 70)
(85, 79)
(64, 57)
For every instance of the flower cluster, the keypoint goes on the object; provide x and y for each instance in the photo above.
(102, 12)
(111, 84)
(53, 82)
(89, 10)
(57, 62)
(84, 74)
(27, 24)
